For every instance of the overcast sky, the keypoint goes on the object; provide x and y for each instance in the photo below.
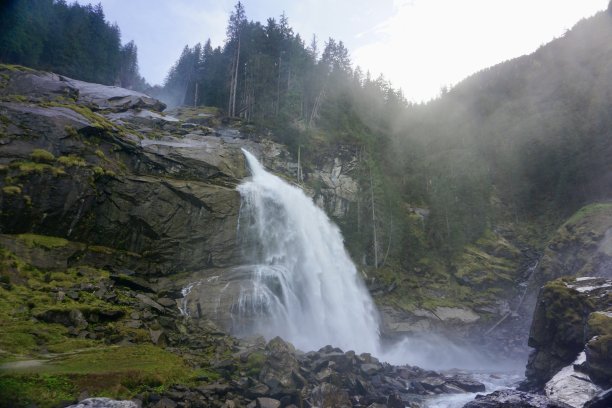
(419, 45)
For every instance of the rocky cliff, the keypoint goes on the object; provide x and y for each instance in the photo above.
(109, 208)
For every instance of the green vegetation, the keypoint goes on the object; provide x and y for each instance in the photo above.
(11, 190)
(43, 363)
(71, 161)
(596, 209)
(600, 324)
(43, 241)
(255, 363)
(118, 372)
(41, 155)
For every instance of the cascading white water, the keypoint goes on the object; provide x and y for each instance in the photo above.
(305, 288)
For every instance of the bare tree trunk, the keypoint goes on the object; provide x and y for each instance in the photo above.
(234, 85)
(195, 96)
(316, 106)
(447, 223)
(278, 82)
(231, 91)
(388, 245)
(373, 221)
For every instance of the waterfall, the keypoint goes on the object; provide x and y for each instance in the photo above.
(304, 286)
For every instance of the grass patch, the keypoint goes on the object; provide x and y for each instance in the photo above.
(587, 211)
(72, 161)
(36, 167)
(11, 190)
(15, 68)
(42, 155)
(43, 241)
(112, 371)
(43, 391)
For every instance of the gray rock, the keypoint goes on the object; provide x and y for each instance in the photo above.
(370, 369)
(466, 384)
(601, 400)
(157, 336)
(395, 401)
(328, 395)
(166, 302)
(264, 402)
(514, 399)
(280, 370)
(113, 97)
(165, 402)
(104, 403)
(150, 302)
(134, 324)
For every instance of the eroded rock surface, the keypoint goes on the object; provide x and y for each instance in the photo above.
(571, 315)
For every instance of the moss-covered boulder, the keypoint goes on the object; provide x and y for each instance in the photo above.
(568, 314)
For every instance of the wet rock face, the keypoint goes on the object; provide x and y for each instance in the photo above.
(571, 314)
(70, 171)
(514, 399)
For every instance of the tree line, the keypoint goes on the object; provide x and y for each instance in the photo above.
(71, 40)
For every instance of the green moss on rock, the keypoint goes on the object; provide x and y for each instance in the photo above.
(42, 155)
(43, 241)
(599, 324)
(11, 190)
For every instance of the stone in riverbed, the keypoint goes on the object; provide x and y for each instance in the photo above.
(572, 386)
(601, 400)
(466, 384)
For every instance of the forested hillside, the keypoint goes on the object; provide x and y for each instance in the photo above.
(524, 141)
(68, 39)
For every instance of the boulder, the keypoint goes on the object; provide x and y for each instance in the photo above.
(265, 402)
(103, 403)
(601, 400)
(557, 331)
(145, 300)
(328, 395)
(513, 399)
(571, 386)
(466, 384)
(599, 359)
(112, 97)
(280, 370)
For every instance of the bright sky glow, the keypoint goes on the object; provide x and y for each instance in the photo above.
(419, 45)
